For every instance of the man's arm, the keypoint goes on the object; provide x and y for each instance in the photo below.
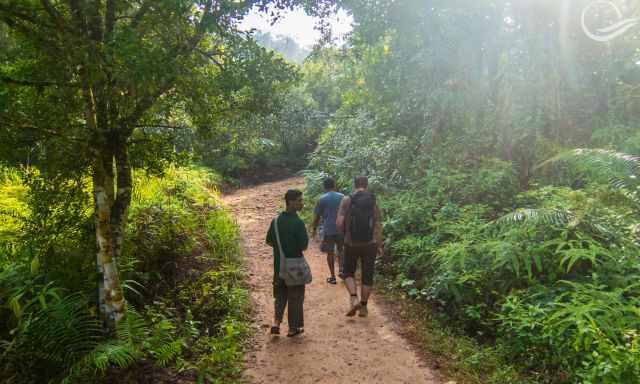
(341, 214)
(271, 235)
(316, 219)
(301, 236)
(377, 227)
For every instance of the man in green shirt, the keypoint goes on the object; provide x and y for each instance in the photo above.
(294, 240)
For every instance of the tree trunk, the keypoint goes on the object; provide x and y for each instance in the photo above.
(109, 240)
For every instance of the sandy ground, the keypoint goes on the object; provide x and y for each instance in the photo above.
(334, 348)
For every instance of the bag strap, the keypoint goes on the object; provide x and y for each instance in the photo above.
(275, 225)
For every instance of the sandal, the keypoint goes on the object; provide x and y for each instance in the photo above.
(331, 280)
(275, 330)
(295, 331)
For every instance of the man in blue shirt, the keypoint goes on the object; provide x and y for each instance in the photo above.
(332, 241)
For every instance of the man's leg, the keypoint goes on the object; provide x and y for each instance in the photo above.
(368, 269)
(331, 262)
(280, 301)
(350, 263)
(340, 255)
(296, 307)
(327, 246)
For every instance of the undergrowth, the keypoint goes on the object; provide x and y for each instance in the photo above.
(542, 279)
(180, 269)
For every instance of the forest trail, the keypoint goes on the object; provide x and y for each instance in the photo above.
(334, 348)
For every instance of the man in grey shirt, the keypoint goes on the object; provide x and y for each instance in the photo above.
(332, 241)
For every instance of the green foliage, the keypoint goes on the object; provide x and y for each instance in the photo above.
(13, 207)
(469, 233)
(49, 339)
(189, 321)
(620, 170)
(588, 328)
(453, 108)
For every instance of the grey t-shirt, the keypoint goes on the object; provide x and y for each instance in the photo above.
(327, 209)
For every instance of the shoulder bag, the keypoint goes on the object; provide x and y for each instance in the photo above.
(294, 270)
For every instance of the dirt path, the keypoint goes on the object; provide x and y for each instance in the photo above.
(334, 348)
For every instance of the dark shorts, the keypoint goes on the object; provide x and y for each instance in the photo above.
(367, 255)
(332, 243)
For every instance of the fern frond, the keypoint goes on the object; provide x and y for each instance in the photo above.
(168, 352)
(539, 216)
(62, 332)
(601, 158)
(621, 170)
(553, 217)
(104, 355)
(163, 332)
(133, 328)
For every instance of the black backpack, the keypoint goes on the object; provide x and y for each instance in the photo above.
(362, 208)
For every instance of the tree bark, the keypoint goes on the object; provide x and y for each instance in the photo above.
(108, 239)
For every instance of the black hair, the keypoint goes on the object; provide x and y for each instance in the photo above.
(291, 195)
(361, 182)
(329, 183)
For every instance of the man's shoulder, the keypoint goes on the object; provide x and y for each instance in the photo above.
(331, 195)
(297, 221)
(325, 196)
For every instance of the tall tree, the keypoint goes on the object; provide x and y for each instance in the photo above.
(87, 82)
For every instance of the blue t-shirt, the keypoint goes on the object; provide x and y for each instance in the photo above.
(327, 209)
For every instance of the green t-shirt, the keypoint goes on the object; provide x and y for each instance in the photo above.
(293, 236)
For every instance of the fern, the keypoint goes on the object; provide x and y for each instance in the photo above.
(133, 328)
(58, 335)
(539, 216)
(554, 217)
(621, 170)
(168, 352)
(600, 158)
(114, 353)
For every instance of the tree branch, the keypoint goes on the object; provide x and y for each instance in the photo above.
(78, 16)
(137, 18)
(110, 20)
(56, 16)
(16, 12)
(178, 51)
(36, 83)
(161, 126)
(211, 56)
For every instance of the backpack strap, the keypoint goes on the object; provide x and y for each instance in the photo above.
(280, 251)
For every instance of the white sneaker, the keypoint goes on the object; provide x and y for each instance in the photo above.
(355, 305)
